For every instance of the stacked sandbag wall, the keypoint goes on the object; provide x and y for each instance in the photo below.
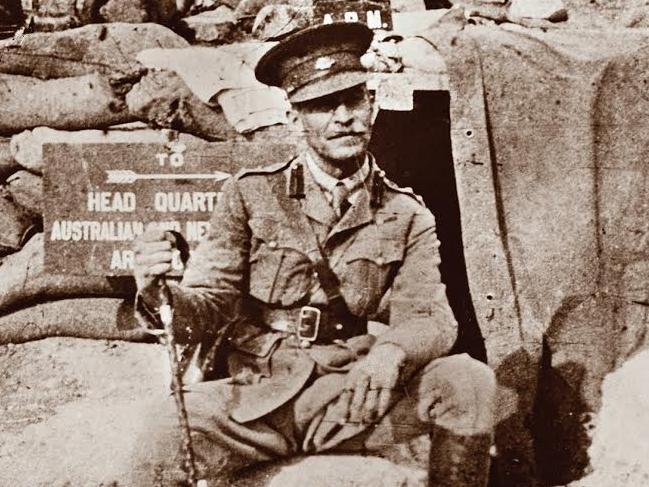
(108, 72)
(86, 85)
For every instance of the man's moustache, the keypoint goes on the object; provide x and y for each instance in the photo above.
(338, 135)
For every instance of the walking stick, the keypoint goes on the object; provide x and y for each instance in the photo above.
(166, 318)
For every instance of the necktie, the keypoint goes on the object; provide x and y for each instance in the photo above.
(340, 203)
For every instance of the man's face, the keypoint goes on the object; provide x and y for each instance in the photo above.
(338, 126)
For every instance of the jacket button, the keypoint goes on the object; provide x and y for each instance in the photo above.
(380, 261)
(272, 244)
(339, 326)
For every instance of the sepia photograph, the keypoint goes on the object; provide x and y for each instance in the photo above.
(324, 243)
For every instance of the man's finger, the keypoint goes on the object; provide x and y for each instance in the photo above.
(152, 235)
(150, 247)
(158, 270)
(153, 268)
(385, 396)
(161, 257)
(352, 377)
(390, 379)
(370, 408)
(358, 399)
(342, 407)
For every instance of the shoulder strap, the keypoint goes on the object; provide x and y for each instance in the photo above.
(407, 191)
(263, 170)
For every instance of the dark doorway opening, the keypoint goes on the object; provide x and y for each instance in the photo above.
(414, 148)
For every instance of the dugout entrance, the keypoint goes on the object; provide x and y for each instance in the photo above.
(414, 148)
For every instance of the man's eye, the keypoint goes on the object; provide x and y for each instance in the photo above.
(320, 105)
(351, 99)
(328, 105)
(354, 98)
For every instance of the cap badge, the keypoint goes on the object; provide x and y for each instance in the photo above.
(323, 63)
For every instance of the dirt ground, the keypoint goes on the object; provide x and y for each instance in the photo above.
(69, 409)
(66, 399)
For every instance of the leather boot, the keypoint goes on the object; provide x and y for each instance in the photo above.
(458, 461)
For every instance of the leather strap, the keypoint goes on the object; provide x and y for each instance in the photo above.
(331, 328)
(328, 279)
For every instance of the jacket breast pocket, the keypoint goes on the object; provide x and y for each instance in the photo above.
(369, 267)
(280, 271)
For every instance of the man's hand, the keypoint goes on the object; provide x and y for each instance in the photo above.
(153, 255)
(370, 385)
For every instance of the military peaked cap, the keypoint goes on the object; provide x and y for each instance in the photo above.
(317, 61)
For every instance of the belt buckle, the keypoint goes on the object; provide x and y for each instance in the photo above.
(308, 324)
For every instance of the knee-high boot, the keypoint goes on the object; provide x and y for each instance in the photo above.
(459, 461)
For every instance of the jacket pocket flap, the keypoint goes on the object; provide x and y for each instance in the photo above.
(381, 251)
(274, 235)
(259, 346)
(264, 228)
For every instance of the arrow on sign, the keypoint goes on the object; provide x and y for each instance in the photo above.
(126, 176)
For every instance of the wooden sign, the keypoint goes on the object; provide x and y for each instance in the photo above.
(100, 197)
(376, 14)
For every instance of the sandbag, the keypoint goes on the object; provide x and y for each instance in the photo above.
(250, 8)
(99, 318)
(162, 99)
(27, 147)
(24, 281)
(214, 26)
(8, 165)
(79, 10)
(225, 76)
(103, 48)
(69, 103)
(131, 11)
(16, 223)
(209, 70)
(160, 11)
(276, 21)
(619, 450)
(26, 190)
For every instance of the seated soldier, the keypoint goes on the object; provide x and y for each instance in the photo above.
(299, 257)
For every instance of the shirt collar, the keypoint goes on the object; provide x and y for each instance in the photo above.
(328, 182)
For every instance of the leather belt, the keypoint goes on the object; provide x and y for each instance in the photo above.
(313, 324)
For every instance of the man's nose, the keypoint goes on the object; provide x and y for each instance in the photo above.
(343, 114)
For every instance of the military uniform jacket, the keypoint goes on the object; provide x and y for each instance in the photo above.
(260, 249)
